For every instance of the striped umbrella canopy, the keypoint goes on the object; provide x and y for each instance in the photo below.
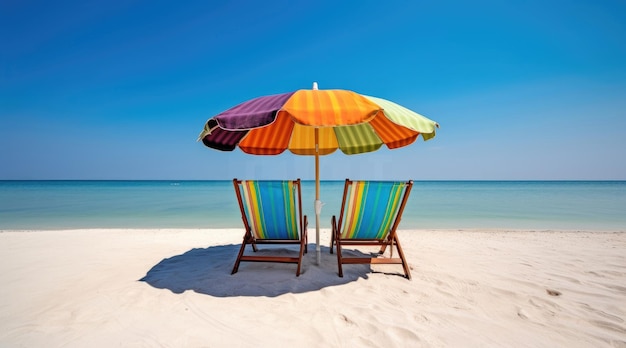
(315, 122)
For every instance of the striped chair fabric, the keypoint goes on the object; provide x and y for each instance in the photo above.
(270, 207)
(371, 209)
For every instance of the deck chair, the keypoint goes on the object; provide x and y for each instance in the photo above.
(272, 214)
(370, 214)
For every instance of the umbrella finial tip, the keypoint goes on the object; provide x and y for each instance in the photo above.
(315, 86)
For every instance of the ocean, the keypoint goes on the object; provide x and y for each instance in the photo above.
(540, 205)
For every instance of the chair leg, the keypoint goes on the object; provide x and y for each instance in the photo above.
(302, 248)
(332, 235)
(305, 242)
(405, 265)
(339, 258)
(241, 250)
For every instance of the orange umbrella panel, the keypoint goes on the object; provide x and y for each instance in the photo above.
(329, 108)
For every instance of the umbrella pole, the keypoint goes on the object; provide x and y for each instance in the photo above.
(318, 203)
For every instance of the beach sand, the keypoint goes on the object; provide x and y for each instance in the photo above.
(173, 288)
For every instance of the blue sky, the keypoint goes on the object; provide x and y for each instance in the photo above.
(121, 89)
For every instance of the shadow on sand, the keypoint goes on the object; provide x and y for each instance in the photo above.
(207, 271)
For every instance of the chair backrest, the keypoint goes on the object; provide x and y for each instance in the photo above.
(371, 209)
(270, 209)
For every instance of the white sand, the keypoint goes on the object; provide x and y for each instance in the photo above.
(173, 288)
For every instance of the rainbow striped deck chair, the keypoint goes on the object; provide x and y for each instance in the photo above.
(370, 214)
(272, 214)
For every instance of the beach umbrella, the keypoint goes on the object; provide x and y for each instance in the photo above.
(315, 122)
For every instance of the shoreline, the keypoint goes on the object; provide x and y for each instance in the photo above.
(311, 230)
(173, 287)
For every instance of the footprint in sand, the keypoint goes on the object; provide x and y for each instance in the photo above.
(553, 292)
(522, 314)
(343, 318)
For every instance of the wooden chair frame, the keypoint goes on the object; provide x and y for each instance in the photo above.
(391, 240)
(249, 237)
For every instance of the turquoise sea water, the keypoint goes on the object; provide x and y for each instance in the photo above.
(578, 205)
